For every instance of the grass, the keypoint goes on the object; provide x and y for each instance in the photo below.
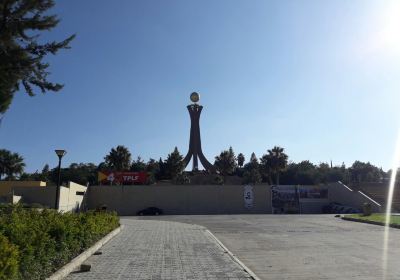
(380, 218)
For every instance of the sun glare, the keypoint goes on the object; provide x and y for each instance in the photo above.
(386, 40)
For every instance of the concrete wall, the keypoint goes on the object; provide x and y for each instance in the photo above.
(179, 199)
(7, 186)
(41, 195)
(313, 206)
(69, 199)
(342, 194)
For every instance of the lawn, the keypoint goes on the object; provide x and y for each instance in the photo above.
(380, 218)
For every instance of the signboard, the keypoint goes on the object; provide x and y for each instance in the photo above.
(248, 196)
(313, 192)
(289, 198)
(121, 178)
(285, 199)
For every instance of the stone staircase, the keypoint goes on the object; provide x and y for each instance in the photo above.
(379, 193)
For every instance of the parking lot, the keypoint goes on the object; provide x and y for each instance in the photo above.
(302, 246)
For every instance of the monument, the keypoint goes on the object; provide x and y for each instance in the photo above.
(195, 150)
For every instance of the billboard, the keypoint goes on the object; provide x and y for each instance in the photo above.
(121, 178)
(313, 192)
(289, 198)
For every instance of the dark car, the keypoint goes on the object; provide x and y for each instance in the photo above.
(151, 211)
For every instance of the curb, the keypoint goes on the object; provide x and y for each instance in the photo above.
(235, 259)
(370, 222)
(77, 261)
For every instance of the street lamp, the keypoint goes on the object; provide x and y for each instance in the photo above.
(60, 154)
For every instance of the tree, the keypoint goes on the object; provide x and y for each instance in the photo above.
(45, 175)
(119, 159)
(252, 171)
(138, 165)
(22, 53)
(226, 162)
(81, 173)
(174, 164)
(365, 172)
(152, 166)
(11, 164)
(162, 173)
(274, 162)
(240, 160)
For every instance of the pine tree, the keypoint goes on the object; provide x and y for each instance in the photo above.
(174, 164)
(252, 171)
(22, 53)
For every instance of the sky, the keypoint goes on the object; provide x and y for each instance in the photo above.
(318, 78)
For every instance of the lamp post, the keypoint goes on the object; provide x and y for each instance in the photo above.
(60, 154)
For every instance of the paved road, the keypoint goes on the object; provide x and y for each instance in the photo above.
(162, 250)
(303, 247)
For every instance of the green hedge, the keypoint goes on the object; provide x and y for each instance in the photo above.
(35, 243)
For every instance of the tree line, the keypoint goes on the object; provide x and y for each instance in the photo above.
(273, 167)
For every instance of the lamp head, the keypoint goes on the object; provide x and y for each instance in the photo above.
(60, 153)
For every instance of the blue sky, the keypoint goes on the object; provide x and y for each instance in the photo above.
(319, 78)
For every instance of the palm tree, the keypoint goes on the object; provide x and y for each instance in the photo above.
(274, 162)
(119, 159)
(240, 159)
(11, 164)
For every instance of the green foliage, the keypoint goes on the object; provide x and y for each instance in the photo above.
(219, 180)
(182, 179)
(119, 159)
(138, 165)
(174, 164)
(364, 172)
(22, 53)
(9, 256)
(47, 239)
(11, 164)
(252, 171)
(273, 163)
(81, 173)
(226, 163)
(240, 160)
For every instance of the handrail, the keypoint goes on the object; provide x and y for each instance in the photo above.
(340, 182)
(369, 198)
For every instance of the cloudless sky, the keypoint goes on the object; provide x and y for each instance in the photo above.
(319, 78)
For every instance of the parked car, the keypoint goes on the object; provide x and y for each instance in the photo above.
(150, 211)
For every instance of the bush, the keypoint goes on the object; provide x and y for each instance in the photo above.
(8, 259)
(219, 180)
(181, 179)
(47, 239)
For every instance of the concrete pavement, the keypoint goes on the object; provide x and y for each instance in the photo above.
(162, 250)
(303, 247)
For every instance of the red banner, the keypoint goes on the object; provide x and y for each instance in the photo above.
(121, 178)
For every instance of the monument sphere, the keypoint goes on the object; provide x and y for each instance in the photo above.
(195, 97)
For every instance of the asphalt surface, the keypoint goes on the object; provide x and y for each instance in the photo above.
(302, 247)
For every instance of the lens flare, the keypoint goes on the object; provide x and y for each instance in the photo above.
(395, 166)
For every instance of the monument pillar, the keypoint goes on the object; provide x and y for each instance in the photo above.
(195, 150)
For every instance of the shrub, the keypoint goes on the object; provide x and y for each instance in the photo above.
(181, 179)
(47, 239)
(8, 259)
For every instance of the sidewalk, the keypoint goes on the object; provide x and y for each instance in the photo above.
(162, 250)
